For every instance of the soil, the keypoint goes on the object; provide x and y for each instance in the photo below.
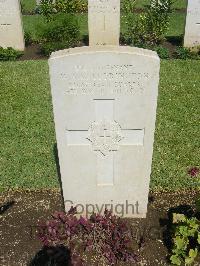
(20, 212)
(32, 52)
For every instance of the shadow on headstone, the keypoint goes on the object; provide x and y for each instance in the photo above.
(55, 151)
(6, 206)
(52, 256)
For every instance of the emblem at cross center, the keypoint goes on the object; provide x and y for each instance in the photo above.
(105, 134)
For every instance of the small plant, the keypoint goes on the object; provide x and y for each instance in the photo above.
(183, 53)
(162, 52)
(59, 33)
(47, 48)
(151, 26)
(103, 235)
(186, 239)
(49, 7)
(187, 53)
(9, 54)
(194, 171)
(46, 9)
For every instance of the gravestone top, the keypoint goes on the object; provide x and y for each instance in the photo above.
(101, 98)
(109, 48)
(104, 22)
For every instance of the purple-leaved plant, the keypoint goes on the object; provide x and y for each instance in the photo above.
(106, 235)
(194, 171)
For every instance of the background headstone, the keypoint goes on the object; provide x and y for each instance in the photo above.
(104, 22)
(192, 27)
(11, 31)
(104, 101)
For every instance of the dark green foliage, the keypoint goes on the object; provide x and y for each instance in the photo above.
(182, 53)
(59, 33)
(186, 53)
(162, 52)
(61, 28)
(9, 54)
(47, 48)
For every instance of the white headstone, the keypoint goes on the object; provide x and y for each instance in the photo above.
(11, 31)
(192, 27)
(104, 101)
(104, 22)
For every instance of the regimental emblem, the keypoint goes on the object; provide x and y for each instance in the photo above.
(105, 136)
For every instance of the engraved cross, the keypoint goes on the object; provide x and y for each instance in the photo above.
(105, 135)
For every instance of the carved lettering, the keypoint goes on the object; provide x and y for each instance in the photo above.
(109, 79)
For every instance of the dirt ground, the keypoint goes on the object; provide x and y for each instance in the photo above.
(33, 52)
(20, 212)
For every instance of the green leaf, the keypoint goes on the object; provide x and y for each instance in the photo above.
(193, 252)
(193, 222)
(178, 217)
(181, 242)
(175, 260)
(198, 239)
(183, 230)
(192, 256)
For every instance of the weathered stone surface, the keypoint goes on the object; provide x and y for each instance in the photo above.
(104, 22)
(104, 101)
(192, 27)
(11, 31)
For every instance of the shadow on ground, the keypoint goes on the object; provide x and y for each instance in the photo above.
(51, 256)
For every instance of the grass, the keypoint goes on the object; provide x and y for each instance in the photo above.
(177, 145)
(28, 6)
(177, 25)
(27, 128)
(27, 135)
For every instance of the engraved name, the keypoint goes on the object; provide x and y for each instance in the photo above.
(109, 79)
(105, 6)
